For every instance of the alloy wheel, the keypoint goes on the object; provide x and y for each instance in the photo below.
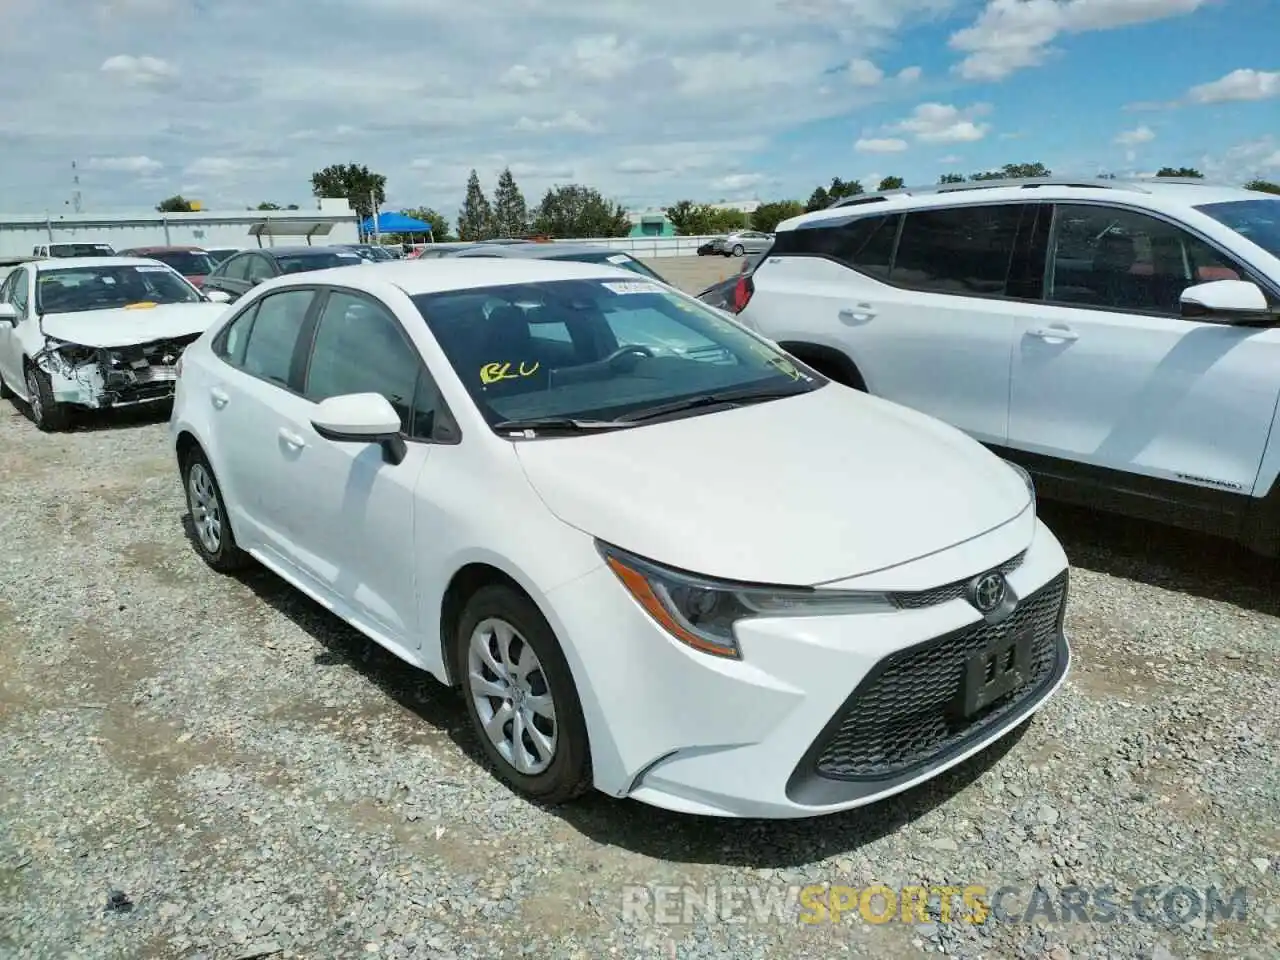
(206, 510)
(511, 696)
(33, 396)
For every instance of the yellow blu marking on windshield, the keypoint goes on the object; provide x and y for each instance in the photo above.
(143, 305)
(777, 360)
(493, 372)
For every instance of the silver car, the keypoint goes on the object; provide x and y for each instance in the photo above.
(746, 241)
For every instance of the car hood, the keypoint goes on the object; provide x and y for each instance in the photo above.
(811, 489)
(126, 326)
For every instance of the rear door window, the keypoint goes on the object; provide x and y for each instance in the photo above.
(273, 336)
(959, 250)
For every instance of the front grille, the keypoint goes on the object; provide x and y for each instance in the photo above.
(951, 591)
(904, 713)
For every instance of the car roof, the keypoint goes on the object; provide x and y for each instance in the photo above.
(303, 249)
(1157, 193)
(174, 248)
(68, 263)
(458, 273)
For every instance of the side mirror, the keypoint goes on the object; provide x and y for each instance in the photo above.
(217, 296)
(8, 314)
(1226, 301)
(362, 418)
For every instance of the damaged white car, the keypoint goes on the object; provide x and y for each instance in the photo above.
(96, 333)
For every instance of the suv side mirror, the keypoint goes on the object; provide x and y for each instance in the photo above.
(8, 314)
(1226, 301)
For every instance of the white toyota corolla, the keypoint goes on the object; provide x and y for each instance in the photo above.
(96, 332)
(661, 557)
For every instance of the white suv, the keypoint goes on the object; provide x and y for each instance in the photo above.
(1117, 338)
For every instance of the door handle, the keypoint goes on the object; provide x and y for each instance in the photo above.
(858, 314)
(292, 439)
(1062, 334)
(219, 397)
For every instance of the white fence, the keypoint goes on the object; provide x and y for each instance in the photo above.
(648, 246)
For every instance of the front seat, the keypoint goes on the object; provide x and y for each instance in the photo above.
(510, 361)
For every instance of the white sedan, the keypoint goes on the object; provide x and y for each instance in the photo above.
(712, 581)
(96, 332)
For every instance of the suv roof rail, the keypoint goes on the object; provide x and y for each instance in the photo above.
(1026, 183)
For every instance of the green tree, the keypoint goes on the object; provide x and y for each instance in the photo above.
(892, 183)
(951, 178)
(268, 205)
(721, 220)
(356, 182)
(767, 216)
(1013, 171)
(685, 217)
(475, 219)
(175, 204)
(1263, 186)
(818, 200)
(575, 211)
(1185, 173)
(439, 222)
(510, 213)
(823, 197)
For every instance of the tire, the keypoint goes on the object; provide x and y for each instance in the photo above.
(214, 540)
(496, 613)
(738, 250)
(46, 413)
(5, 392)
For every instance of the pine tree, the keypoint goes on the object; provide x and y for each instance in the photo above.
(510, 214)
(475, 220)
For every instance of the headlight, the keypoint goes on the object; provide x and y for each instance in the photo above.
(702, 613)
(1026, 478)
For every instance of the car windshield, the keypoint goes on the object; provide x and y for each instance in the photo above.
(77, 289)
(217, 256)
(597, 350)
(69, 250)
(320, 260)
(189, 263)
(616, 259)
(1256, 220)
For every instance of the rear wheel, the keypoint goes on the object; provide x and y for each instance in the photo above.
(46, 413)
(521, 697)
(214, 540)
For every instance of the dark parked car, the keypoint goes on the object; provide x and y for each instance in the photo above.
(192, 262)
(373, 252)
(712, 248)
(238, 274)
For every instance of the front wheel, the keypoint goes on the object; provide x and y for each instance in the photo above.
(521, 697)
(46, 413)
(738, 250)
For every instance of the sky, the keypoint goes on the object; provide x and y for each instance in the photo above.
(234, 102)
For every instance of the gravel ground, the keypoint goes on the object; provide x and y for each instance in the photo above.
(248, 778)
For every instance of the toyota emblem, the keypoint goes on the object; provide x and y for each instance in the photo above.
(987, 592)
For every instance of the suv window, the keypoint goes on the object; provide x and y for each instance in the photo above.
(958, 250)
(865, 243)
(359, 347)
(1118, 259)
(236, 268)
(273, 335)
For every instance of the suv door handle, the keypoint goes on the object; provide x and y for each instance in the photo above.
(292, 439)
(857, 314)
(219, 397)
(1063, 334)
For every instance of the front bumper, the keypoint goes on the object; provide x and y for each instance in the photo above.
(119, 377)
(822, 714)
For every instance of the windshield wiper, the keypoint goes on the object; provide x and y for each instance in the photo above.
(552, 424)
(732, 397)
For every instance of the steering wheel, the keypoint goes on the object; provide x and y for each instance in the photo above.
(627, 350)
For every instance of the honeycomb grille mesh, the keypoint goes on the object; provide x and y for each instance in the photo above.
(904, 713)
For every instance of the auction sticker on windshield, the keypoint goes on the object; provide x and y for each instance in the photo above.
(150, 269)
(618, 258)
(632, 286)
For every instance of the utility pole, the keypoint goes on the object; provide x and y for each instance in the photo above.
(373, 205)
(75, 187)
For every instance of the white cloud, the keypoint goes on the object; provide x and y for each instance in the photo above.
(1136, 136)
(521, 77)
(880, 146)
(139, 71)
(738, 181)
(604, 57)
(1252, 159)
(1238, 85)
(910, 74)
(950, 158)
(1011, 35)
(864, 73)
(139, 165)
(569, 120)
(944, 123)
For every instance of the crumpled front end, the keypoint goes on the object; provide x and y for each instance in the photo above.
(101, 377)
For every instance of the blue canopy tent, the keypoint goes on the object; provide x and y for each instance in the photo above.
(391, 222)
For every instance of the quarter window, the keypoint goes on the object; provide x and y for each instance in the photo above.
(1125, 261)
(273, 335)
(958, 250)
(865, 243)
(359, 348)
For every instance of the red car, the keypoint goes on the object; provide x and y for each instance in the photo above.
(192, 262)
